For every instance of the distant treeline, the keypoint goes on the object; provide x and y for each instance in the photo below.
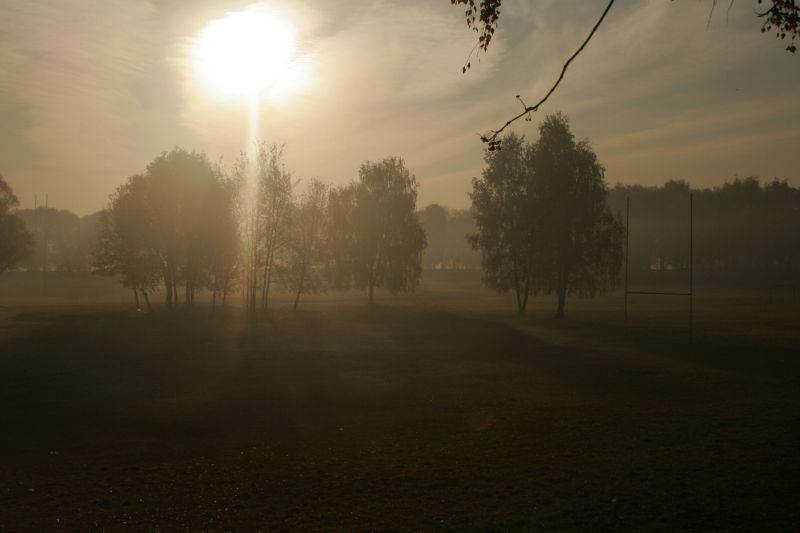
(447, 230)
(745, 233)
(61, 240)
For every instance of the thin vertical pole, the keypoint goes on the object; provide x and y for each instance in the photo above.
(627, 247)
(45, 241)
(691, 263)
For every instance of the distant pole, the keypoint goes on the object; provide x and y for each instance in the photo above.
(45, 243)
(627, 247)
(691, 264)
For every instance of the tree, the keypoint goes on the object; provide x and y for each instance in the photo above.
(176, 223)
(126, 244)
(182, 189)
(340, 236)
(483, 16)
(582, 239)
(305, 255)
(506, 213)
(543, 223)
(15, 241)
(222, 245)
(377, 239)
(274, 208)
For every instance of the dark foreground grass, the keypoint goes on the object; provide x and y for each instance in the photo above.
(410, 417)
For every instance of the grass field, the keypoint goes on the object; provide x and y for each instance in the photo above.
(436, 410)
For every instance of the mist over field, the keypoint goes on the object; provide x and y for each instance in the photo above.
(494, 265)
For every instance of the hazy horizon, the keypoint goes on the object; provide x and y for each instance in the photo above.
(90, 96)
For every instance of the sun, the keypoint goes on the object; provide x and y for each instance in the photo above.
(249, 53)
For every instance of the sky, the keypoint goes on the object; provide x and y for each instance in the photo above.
(90, 92)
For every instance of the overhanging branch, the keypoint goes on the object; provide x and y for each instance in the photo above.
(491, 139)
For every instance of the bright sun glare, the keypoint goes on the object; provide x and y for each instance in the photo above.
(250, 53)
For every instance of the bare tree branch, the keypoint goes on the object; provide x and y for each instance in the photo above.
(491, 139)
(711, 13)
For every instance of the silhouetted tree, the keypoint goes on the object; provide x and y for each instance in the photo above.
(15, 241)
(126, 244)
(274, 208)
(380, 242)
(183, 188)
(179, 219)
(583, 237)
(222, 244)
(340, 237)
(543, 223)
(507, 213)
(305, 253)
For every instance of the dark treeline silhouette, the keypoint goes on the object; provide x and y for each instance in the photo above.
(745, 233)
(62, 241)
(447, 231)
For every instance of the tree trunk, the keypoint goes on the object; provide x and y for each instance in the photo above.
(299, 287)
(168, 291)
(373, 276)
(297, 299)
(562, 298)
(267, 277)
(136, 296)
(253, 288)
(147, 301)
(266, 288)
(264, 284)
(527, 289)
(213, 300)
(517, 291)
(562, 281)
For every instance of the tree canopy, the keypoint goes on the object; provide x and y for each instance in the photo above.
(375, 235)
(15, 241)
(543, 223)
(174, 223)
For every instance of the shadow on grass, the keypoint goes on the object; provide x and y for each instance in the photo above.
(357, 417)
